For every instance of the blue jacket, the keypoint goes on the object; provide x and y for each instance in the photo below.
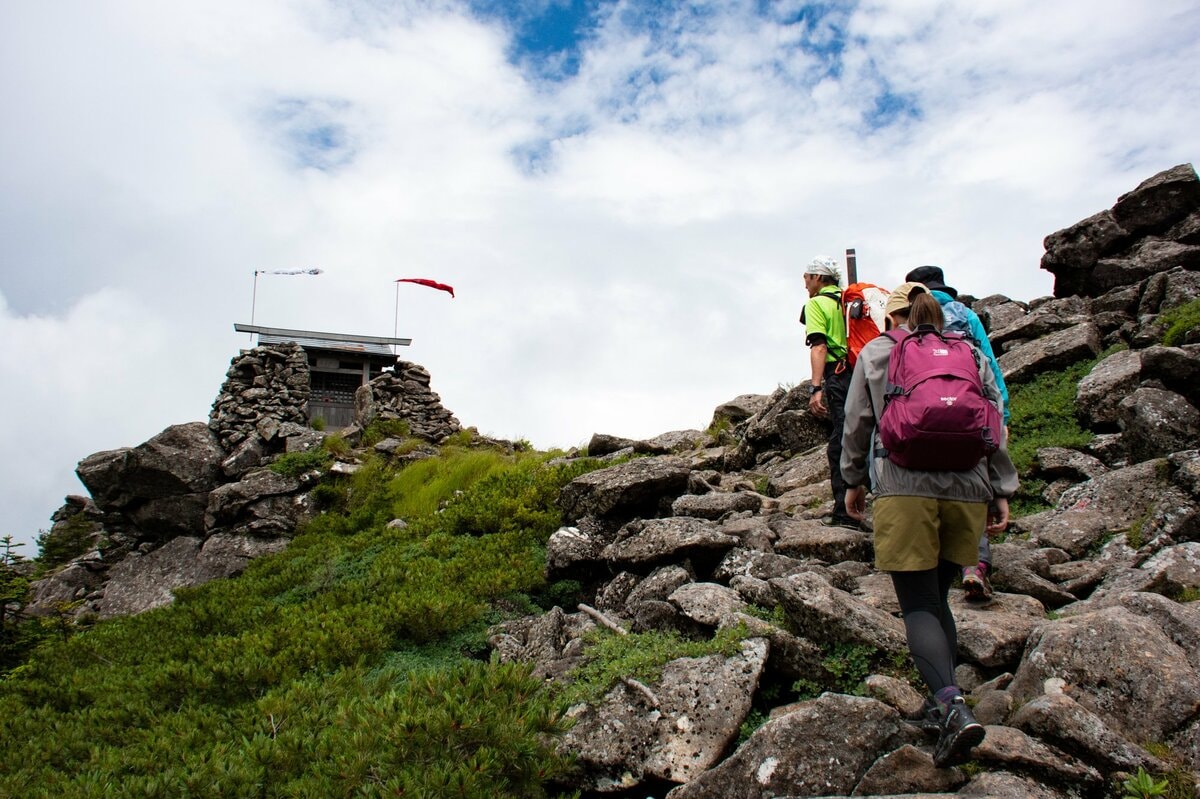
(985, 346)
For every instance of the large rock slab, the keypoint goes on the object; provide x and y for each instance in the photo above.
(822, 748)
(825, 614)
(1091, 511)
(1050, 353)
(995, 636)
(648, 541)
(1099, 394)
(183, 459)
(803, 539)
(1159, 201)
(628, 489)
(1060, 720)
(143, 582)
(1120, 666)
(1157, 422)
(675, 731)
(1012, 749)
(261, 503)
(1146, 258)
(1071, 253)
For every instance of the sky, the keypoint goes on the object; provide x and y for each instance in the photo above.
(623, 193)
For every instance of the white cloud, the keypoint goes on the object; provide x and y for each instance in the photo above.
(638, 271)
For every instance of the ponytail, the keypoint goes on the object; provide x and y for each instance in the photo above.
(925, 310)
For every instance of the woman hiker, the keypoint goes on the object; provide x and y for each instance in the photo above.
(926, 522)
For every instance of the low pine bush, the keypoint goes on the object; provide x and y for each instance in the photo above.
(347, 665)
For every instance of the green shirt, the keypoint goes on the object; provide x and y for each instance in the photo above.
(823, 316)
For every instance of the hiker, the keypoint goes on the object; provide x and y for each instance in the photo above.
(825, 335)
(975, 580)
(926, 520)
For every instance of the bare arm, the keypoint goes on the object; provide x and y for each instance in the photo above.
(816, 358)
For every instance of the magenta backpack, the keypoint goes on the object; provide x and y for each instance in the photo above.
(935, 415)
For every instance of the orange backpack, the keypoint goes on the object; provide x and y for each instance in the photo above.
(863, 304)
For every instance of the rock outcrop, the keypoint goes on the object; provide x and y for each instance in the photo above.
(197, 501)
(1088, 653)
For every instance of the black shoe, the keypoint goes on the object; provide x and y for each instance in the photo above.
(841, 521)
(960, 734)
(930, 719)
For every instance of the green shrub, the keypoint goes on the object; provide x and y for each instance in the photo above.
(610, 657)
(318, 423)
(1179, 321)
(294, 464)
(65, 542)
(380, 429)
(346, 665)
(336, 445)
(1043, 415)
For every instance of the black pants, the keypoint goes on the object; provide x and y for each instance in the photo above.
(836, 385)
(928, 623)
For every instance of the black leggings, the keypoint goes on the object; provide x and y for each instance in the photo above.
(932, 637)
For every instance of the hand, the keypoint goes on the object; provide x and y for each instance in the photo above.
(816, 404)
(998, 515)
(856, 502)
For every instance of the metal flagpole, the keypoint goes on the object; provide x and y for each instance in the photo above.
(253, 301)
(396, 321)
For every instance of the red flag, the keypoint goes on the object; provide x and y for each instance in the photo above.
(433, 284)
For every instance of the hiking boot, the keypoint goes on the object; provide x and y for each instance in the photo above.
(975, 584)
(930, 718)
(838, 520)
(959, 735)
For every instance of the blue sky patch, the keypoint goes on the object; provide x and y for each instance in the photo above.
(313, 132)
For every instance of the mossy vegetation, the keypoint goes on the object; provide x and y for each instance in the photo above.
(1043, 415)
(347, 665)
(1179, 321)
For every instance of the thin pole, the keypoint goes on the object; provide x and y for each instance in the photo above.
(851, 267)
(253, 301)
(396, 320)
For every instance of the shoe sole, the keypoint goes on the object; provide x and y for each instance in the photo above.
(967, 739)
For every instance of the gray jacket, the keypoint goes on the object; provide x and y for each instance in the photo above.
(994, 477)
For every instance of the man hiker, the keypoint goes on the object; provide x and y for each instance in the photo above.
(961, 318)
(825, 335)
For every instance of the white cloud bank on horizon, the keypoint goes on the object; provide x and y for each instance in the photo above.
(624, 242)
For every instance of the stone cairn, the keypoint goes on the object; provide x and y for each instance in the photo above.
(404, 394)
(265, 387)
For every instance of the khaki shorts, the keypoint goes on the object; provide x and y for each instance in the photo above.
(913, 533)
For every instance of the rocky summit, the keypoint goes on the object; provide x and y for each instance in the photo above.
(1084, 665)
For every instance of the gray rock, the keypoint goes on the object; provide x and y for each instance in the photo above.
(143, 582)
(811, 539)
(628, 489)
(804, 469)
(1063, 722)
(1175, 569)
(796, 754)
(756, 564)
(1148, 257)
(675, 731)
(1012, 749)
(1116, 664)
(1157, 422)
(906, 771)
(1098, 397)
(1159, 201)
(678, 441)
(644, 542)
(1071, 253)
(1176, 368)
(660, 584)
(824, 614)
(1179, 622)
(716, 504)
(709, 604)
(739, 409)
(999, 317)
(1076, 466)
(1006, 785)
(552, 642)
(1055, 351)
(1093, 510)
(261, 503)
(572, 547)
(604, 444)
(995, 636)
(1051, 317)
(183, 459)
